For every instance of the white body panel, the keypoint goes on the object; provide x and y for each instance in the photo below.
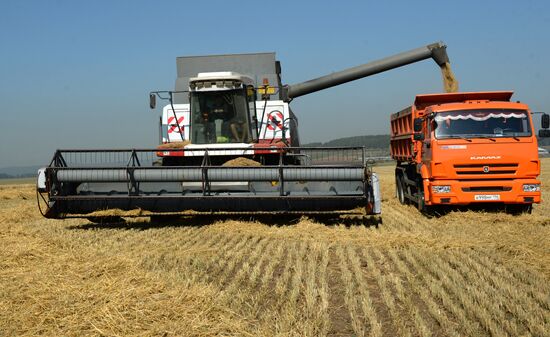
(226, 152)
(170, 130)
(271, 125)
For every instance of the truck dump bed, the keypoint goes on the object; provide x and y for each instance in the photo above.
(401, 135)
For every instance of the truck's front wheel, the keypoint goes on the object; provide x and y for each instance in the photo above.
(517, 209)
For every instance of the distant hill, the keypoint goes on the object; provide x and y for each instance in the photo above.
(18, 172)
(381, 142)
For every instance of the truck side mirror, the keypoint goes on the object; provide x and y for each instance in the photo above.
(545, 121)
(544, 133)
(418, 136)
(417, 124)
(152, 101)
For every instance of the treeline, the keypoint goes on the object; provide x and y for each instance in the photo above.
(11, 176)
(372, 142)
(379, 142)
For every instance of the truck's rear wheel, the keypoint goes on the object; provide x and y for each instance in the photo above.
(399, 190)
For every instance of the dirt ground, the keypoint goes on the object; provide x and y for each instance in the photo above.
(467, 273)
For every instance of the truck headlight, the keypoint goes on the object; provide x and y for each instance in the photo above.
(441, 189)
(531, 188)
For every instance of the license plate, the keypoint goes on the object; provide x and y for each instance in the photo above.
(484, 197)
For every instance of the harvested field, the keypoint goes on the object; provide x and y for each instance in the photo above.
(463, 274)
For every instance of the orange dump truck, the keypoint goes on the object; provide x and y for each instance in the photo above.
(466, 148)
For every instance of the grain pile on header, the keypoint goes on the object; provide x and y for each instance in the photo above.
(241, 161)
(174, 145)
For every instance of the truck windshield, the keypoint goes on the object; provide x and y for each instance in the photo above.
(219, 117)
(482, 123)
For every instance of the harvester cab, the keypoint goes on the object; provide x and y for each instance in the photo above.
(220, 108)
(228, 145)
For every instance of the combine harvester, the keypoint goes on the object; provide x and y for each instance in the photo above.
(230, 144)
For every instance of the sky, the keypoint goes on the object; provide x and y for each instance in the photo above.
(76, 74)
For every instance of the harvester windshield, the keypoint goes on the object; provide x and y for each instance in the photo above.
(219, 117)
(482, 123)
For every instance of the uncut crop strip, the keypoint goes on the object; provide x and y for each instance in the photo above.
(274, 261)
(316, 302)
(486, 297)
(291, 315)
(418, 286)
(154, 261)
(281, 315)
(323, 300)
(354, 282)
(392, 221)
(272, 287)
(385, 283)
(267, 254)
(190, 263)
(367, 305)
(529, 283)
(350, 292)
(471, 300)
(248, 260)
(410, 220)
(215, 262)
(291, 256)
(435, 285)
(510, 297)
(233, 257)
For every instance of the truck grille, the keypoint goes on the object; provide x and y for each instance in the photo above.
(487, 189)
(493, 169)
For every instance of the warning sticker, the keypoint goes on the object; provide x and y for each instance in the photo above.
(275, 120)
(173, 127)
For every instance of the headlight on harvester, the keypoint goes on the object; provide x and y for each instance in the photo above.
(531, 188)
(441, 189)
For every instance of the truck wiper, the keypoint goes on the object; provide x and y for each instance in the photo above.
(512, 135)
(457, 137)
(484, 136)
